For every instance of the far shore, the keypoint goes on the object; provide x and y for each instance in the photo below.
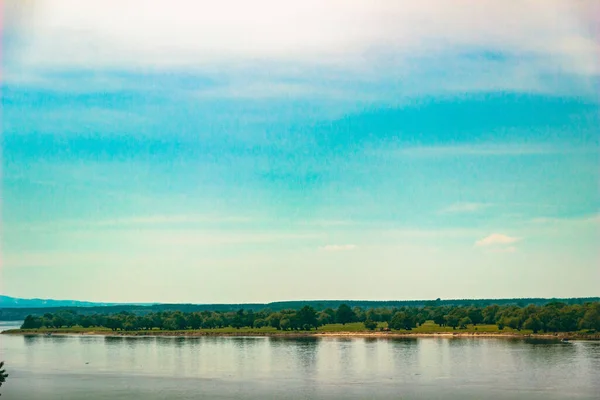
(317, 334)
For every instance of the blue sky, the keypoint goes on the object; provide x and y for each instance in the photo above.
(240, 154)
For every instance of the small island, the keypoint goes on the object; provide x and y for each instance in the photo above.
(554, 320)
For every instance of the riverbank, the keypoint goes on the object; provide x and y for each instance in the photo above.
(298, 334)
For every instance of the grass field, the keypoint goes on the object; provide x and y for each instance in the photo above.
(431, 327)
(427, 328)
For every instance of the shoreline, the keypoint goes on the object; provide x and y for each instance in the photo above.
(316, 334)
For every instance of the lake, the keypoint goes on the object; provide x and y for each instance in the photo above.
(96, 367)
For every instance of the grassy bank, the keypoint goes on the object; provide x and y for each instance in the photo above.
(351, 329)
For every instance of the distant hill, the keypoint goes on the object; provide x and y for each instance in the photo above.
(17, 309)
(14, 302)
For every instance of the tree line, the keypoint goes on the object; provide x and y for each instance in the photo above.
(551, 317)
(13, 314)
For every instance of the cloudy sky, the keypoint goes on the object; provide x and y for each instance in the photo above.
(234, 151)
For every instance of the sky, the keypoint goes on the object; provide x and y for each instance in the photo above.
(193, 151)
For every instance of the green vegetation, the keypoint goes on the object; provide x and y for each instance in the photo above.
(370, 324)
(552, 317)
(428, 327)
(3, 374)
(14, 314)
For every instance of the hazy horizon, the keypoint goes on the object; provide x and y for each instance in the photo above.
(315, 150)
(291, 300)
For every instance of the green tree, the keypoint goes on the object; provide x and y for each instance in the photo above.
(439, 318)
(274, 320)
(421, 318)
(552, 317)
(344, 314)
(360, 314)
(591, 317)
(323, 318)
(307, 318)
(249, 319)
(331, 312)
(285, 324)
(569, 318)
(114, 323)
(47, 320)
(533, 323)
(146, 322)
(372, 315)
(259, 323)
(464, 322)
(475, 315)
(211, 322)
(452, 320)
(67, 317)
(238, 319)
(58, 321)
(514, 322)
(370, 324)
(131, 323)
(85, 322)
(489, 314)
(294, 320)
(402, 320)
(3, 374)
(194, 321)
(170, 324)
(385, 315)
(180, 320)
(157, 321)
(31, 322)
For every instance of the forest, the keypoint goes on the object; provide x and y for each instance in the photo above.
(551, 317)
(19, 313)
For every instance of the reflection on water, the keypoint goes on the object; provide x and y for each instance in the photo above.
(541, 342)
(306, 354)
(31, 339)
(114, 340)
(114, 367)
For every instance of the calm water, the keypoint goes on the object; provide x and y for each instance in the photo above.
(274, 368)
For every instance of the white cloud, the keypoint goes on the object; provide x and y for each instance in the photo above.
(496, 239)
(374, 40)
(200, 31)
(339, 247)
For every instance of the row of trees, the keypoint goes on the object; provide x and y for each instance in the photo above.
(304, 319)
(552, 317)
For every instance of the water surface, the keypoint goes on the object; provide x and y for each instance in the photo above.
(96, 367)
